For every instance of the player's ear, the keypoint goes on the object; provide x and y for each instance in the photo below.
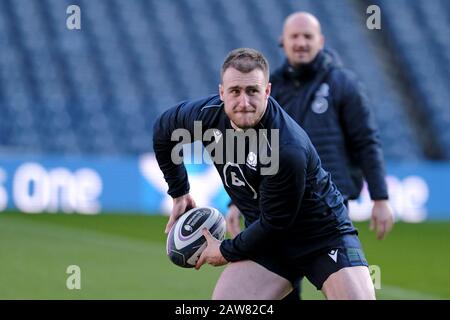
(221, 90)
(268, 89)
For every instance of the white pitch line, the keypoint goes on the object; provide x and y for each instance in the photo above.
(393, 292)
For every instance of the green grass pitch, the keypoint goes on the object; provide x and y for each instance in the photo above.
(123, 257)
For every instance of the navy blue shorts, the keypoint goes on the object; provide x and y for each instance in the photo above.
(334, 254)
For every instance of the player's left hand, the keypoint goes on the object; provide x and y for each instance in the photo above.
(382, 218)
(211, 254)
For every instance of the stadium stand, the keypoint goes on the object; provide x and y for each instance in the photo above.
(419, 35)
(98, 89)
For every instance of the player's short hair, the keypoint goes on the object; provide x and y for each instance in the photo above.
(246, 60)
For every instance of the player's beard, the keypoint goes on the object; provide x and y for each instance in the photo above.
(246, 120)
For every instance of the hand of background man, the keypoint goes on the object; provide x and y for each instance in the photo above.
(382, 218)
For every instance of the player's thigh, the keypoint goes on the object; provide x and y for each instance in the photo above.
(249, 280)
(351, 283)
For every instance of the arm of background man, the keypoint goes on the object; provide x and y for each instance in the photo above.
(280, 198)
(362, 135)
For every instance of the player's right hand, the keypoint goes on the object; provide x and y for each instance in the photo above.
(233, 221)
(180, 206)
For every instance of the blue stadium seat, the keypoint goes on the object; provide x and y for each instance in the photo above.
(424, 50)
(98, 89)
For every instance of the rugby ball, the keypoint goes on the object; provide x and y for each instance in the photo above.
(186, 242)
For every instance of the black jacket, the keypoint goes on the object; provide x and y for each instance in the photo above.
(284, 209)
(330, 105)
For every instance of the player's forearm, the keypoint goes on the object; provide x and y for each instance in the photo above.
(174, 173)
(249, 242)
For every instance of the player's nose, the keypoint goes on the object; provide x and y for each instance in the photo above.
(244, 102)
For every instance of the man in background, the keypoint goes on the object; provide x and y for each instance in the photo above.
(330, 105)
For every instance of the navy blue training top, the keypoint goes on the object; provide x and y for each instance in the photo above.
(287, 199)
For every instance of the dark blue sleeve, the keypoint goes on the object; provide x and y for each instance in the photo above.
(362, 135)
(181, 116)
(280, 197)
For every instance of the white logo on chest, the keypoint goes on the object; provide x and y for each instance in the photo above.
(320, 103)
